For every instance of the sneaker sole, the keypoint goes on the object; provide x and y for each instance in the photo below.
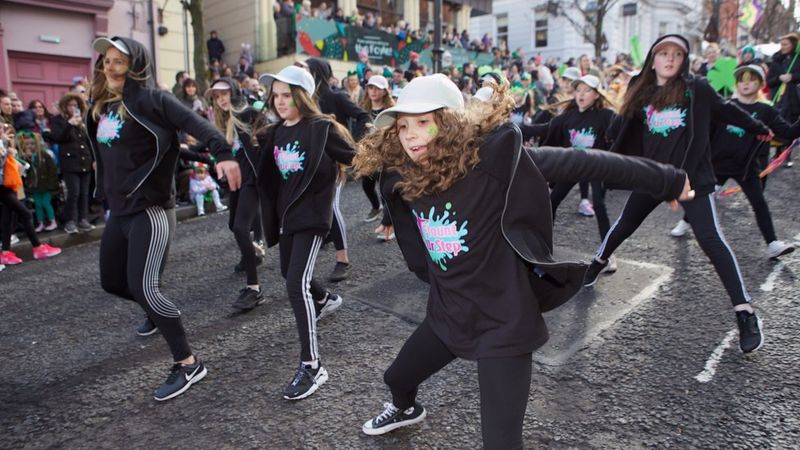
(334, 306)
(194, 380)
(148, 333)
(248, 308)
(760, 344)
(368, 220)
(785, 251)
(394, 426)
(321, 379)
(47, 256)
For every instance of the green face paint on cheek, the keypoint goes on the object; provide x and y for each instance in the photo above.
(432, 130)
(291, 103)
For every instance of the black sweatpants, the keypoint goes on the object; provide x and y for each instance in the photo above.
(298, 252)
(560, 190)
(504, 385)
(754, 191)
(13, 209)
(133, 252)
(368, 184)
(77, 207)
(702, 216)
(243, 206)
(584, 187)
(338, 228)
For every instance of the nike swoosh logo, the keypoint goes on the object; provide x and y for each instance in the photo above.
(189, 377)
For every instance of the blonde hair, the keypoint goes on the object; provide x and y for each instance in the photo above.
(388, 101)
(228, 121)
(101, 95)
(749, 75)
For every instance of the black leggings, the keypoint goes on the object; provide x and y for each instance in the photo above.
(584, 187)
(338, 227)
(13, 209)
(504, 385)
(368, 183)
(298, 252)
(754, 191)
(133, 252)
(560, 190)
(77, 207)
(243, 213)
(702, 215)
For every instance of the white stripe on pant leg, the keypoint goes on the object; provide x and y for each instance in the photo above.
(610, 230)
(159, 238)
(337, 213)
(725, 243)
(308, 299)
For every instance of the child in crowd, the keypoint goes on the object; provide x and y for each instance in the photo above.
(297, 173)
(42, 178)
(466, 198)
(201, 185)
(667, 116)
(741, 156)
(378, 98)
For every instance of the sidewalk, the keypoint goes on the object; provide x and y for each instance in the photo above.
(60, 238)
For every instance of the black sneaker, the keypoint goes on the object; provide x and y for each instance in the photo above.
(146, 328)
(340, 272)
(373, 215)
(181, 377)
(594, 270)
(248, 299)
(84, 226)
(239, 267)
(392, 418)
(750, 337)
(332, 303)
(306, 381)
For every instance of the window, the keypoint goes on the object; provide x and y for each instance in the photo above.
(502, 28)
(540, 28)
(662, 28)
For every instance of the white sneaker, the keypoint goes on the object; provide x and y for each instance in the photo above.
(221, 208)
(2, 267)
(778, 248)
(260, 248)
(14, 239)
(612, 264)
(585, 208)
(681, 228)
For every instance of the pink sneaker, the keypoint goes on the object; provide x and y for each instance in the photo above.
(45, 251)
(51, 226)
(9, 258)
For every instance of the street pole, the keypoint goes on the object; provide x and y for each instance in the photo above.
(185, 38)
(437, 36)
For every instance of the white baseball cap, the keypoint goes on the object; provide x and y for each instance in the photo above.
(378, 81)
(571, 73)
(753, 68)
(589, 80)
(484, 94)
(102, 44)
(423, 95)
(291, 75)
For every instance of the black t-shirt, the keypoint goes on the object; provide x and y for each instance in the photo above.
(664, 136)
(291, 144)
(121, 140)
(585, 129)
(373, 113)
(481, 303)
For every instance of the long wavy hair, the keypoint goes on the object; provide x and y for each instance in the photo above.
(229, 121)
(645, 91)
(101, 94)
(366, 103)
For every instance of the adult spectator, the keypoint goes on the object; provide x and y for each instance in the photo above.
(339, 16)
(6, 115)
(287, 9)
(215, 48)
(42, 117)
(587, 68)
(16, 105)
(324, 11)
(245, 68)
(190, 98)
(180, 77)
(76, 160)
(711, 53)
(783, 79)
(81, 87)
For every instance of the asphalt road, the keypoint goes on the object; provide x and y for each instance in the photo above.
(622, 370)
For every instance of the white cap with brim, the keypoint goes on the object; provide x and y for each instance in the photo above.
(589, 80)
(378, 81)
(753, 68)
(291, 75)
(101, 45)
(674, 40)
(571, 73)
(423, 95)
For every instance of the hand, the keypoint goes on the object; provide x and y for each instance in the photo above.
(230, 170)
(766, 137)
(785, 77)
(75, 121)
(686, 195)
(388, 230)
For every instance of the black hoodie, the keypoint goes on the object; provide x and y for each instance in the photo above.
(705, 106)
(160, 115)
(336, 103)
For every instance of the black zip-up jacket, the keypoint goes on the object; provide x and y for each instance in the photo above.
(74, 149)
(789, 103)
(337, 103)
(310, 208)
(738, 154)
(705, 106)
(162, 115)
(249, 116)
(527, 224)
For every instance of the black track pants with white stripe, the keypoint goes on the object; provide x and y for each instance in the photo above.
(133, 252)
(702, 215)
(338, 232)
(298, 253)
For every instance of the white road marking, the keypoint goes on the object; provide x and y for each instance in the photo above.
(711, 365)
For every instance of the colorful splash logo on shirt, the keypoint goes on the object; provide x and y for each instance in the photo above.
(237, 145)
(109, 127)
(443, 238)
(583, 138)
(738, 132)
(665, 121)
(289, 159)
